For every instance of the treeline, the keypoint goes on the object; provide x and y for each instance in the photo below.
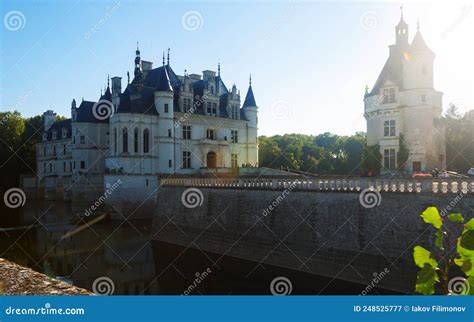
(347, 155)
(322, 154)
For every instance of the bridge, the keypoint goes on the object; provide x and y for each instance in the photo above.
(348, 229)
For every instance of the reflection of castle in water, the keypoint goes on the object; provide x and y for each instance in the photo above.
(122, 253)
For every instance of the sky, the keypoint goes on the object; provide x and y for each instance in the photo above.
(310, 61)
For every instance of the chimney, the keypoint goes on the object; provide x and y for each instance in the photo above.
(208, 74)
(146, 67)
(195, 76)
(48, 119)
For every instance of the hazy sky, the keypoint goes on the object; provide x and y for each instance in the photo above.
(310, 61)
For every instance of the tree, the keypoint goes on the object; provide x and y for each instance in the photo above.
(459, 143)
(371, 159)
(403, 153)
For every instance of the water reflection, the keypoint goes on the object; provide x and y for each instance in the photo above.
(45, 237)
(38, 238)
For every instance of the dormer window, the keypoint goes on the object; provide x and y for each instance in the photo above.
(55, 135)
(234, 112)
(186, 104)
(211, 108)
(64, 133)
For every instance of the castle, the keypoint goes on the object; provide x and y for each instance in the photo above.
(162, 123)
(404, 104)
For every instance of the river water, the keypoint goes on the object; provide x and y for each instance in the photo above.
(46, 237)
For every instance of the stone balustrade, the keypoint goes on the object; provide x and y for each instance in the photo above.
(429, 185)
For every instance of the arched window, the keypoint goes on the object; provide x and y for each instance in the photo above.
(135, 140)
(124, 140)
(115, 140)
(146, 141)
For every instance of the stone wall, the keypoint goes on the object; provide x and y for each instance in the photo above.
(325, 233)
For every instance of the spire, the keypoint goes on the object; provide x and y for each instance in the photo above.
(108, 80)
(250, 98)
(137, 61)
(163, 58)
(128, 77)
(219, 69)
(401, 32)
(366, 89)
(417, 24)
(168, 60)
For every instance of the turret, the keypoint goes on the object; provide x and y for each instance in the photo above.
(251, 114)
(401, 33)
(250, 106)
(164, 106)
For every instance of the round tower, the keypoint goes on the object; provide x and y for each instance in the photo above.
(164, 106)
(250, 109)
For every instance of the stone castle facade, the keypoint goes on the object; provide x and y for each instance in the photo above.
(403, 102)
(161, 123)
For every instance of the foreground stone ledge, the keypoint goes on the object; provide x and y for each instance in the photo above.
(19, 280)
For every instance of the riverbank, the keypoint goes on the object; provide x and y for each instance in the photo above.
(19, 280)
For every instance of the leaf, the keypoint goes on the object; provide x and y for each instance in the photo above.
(463, 251)
(431, 216)
(439, 239)
(470, 279)
(466, 265)
(467, 240)
(456, 218)
(423, 257)
(426, 279)
(469, 225)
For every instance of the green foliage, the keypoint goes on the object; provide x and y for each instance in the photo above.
(435, 272)
(323, 154)
(371, 159)
(459, 143)
(426, 280)
(423, 257)
(431, 216)
(403, 153)
(456, 218)
(18, 138)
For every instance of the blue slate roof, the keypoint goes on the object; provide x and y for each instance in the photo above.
(58, 126)
(249, 98)
(164, 78)
(84, 112)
